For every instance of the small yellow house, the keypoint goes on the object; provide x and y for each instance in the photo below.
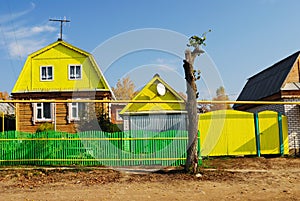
(158, 115)
(59, 71)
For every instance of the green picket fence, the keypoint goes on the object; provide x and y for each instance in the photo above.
(93, 148)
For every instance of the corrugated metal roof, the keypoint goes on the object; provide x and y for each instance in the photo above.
(7, 108)
(267, 82)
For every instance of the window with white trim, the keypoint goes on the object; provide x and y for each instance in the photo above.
(42, 112)
(77, 111)
(75, 72)
(46, 73)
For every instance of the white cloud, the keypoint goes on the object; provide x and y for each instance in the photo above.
(20, 38)
(174, 63)
(160, 60)
(43, 28)
(12, 16)
(25, 32)
(167, 61)
(24, 47)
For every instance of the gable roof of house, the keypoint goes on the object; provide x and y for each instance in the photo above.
(149, 92)
(56, 43)
(267, 82)
(20, 87)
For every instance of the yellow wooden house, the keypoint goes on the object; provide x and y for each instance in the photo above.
(157, 115)
(59, 71)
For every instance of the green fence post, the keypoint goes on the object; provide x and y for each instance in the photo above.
(199, 150)
(257, 137)
(120, 147)
(281, 145)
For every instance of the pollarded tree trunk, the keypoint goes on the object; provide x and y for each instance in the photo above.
(191, 164)
(191, 107)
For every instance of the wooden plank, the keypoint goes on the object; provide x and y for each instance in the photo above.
(293, 75)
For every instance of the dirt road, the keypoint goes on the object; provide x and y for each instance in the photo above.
(220, 179)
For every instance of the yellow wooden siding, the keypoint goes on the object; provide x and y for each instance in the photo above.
(24, 80)
(60, 55)
(230, 132)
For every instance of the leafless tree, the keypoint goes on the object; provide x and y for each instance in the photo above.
(191, 77)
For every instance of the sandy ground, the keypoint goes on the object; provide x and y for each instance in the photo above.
(221, 179)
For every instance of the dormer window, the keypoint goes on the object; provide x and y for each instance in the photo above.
(75, 72)
(46, 73)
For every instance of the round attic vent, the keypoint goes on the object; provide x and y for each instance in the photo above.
(161, 89)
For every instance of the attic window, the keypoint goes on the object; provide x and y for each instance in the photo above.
(75, 72)
(46, 73)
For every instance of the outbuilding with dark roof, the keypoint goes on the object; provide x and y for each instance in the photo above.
(279, 82)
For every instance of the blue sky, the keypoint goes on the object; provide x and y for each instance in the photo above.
(246, 37)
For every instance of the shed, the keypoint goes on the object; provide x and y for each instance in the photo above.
(279, 82)
(156, 116)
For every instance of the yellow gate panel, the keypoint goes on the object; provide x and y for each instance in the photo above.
(269, 132)
(241, 133)
(227, 132)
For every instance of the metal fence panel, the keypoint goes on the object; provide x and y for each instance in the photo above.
(93, 148)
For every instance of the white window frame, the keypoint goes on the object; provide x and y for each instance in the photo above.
(47, 75)
(74, 77)
(40, 106)
(76, 106)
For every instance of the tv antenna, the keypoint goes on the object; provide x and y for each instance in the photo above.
(61, 23)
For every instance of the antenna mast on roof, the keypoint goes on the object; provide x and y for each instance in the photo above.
(61, 23)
